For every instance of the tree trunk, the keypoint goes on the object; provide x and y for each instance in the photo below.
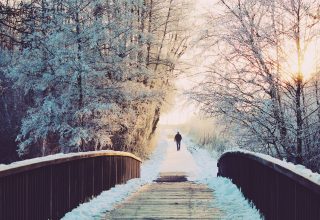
(79, 77)
(299, 120)
(298, 94)
(317, 98)
(306, 127)
(149, 32)
(164, 35)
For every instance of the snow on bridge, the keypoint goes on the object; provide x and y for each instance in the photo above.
(203, 195)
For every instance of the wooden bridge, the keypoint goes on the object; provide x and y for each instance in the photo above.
(171, 196)
(48, 189)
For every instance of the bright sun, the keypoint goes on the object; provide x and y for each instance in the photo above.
(308, 63)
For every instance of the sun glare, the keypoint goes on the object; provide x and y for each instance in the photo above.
(308, 63)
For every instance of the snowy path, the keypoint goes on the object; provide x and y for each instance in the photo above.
(199, 167)
(171, 196)
(179, 161)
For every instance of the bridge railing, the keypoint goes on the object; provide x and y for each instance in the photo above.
(49, 189)
(276, 191)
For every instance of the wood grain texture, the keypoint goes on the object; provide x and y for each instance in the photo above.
(168, 200)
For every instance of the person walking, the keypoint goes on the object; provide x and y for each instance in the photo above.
(178, 139)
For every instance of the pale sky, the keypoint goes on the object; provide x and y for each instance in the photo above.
(182, 109)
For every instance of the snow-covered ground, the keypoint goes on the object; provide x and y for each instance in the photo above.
(99, 205)
(228, 198)
(179, 161)
(197, 163)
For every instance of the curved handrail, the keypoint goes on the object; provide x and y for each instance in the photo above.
(30, 164)
(48, 187)
(314, 186)
(277, 191)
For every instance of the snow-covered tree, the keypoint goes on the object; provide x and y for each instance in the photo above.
(259, 79)
(95, 72)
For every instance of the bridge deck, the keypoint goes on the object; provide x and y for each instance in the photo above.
(171, 196)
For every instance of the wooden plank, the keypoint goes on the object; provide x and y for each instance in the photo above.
(168, 200)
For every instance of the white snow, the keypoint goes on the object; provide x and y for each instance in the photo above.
(179, 161)
(54, 157)
(298, 169)
(228, 198)
(96, 208)
(197, 163)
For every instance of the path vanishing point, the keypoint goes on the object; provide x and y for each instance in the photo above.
(173, 195)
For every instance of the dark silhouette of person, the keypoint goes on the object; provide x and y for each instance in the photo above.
(178, 139)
